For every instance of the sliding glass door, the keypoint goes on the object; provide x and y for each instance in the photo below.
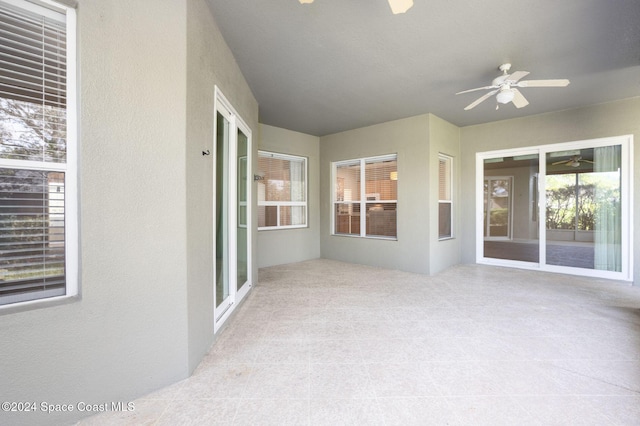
(232, 212)
(563, 208)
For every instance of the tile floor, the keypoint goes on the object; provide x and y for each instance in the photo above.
(329, 343)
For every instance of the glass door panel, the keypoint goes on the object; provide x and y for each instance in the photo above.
(222, 293)
(510, 208)
(583, 208)
(232, 213)
(242, 234)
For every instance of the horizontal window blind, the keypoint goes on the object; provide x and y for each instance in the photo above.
(32, 243)
(365, 197)
(33, 152)
(32, 84)
(282, 191)
(33, 55)
(381, 184)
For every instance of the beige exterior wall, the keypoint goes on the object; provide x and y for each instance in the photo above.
(409, 138)
(276, 247)
(417, 141)
(210, 63)
(597, 121)
(444, 138)
(144, 317)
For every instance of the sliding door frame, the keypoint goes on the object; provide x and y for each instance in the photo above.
(626, 199)
(222, 105)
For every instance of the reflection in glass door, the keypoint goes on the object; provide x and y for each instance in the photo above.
(510, 202)
(222, 213)
(497, 201)
(583, 208)
(232, 212)
(562, 208)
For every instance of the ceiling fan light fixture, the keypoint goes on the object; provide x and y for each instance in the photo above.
(505, 87)
(399, 6)
(505, 96)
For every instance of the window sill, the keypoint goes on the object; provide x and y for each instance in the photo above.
(282, 228)
(31, 305)
(369, 237)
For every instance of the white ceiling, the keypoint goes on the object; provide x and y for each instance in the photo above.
(336, 65)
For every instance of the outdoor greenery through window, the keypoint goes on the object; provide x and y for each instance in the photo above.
(584, 203)
(366, 197)
(282, 191)
(36, 174)
(572, 199)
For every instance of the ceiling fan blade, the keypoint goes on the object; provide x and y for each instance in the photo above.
(516, 76)
(518, 99)
(560, 162)
(476, 89)
(544, 83)
(480, 99)
(400, 6)
(588, 161)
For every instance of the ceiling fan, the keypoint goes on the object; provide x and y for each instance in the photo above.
(506, 88)
(397, 6)
(573, 161)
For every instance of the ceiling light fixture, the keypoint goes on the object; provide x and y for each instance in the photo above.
(400, 6)
(505, 96)
(305, 1)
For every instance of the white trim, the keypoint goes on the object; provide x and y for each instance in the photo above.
(72, 232)
(36, 165)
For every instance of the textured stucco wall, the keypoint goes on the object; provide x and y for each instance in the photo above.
(127, 334)
(444, 138)
(293, 245)
(597, 121)
(209, 63)
(409, 138)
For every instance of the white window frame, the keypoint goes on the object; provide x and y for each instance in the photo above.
(448, 159)
(365, 198)
(278, 204)
(53, 10)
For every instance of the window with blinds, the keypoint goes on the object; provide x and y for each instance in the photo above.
(282, 191)
(445, 200)
(365, 197)
(37, 175)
